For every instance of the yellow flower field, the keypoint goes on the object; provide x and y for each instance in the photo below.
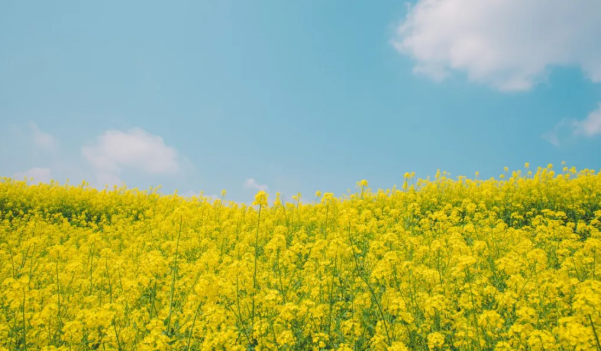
(446, 264)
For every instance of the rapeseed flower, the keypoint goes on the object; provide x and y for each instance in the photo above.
(500, 264)
(261, 198)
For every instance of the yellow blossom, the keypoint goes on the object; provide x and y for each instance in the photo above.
(261, 198)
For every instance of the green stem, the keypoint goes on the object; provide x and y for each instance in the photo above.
(58, 294)
(372, 292)
(24, 323)
(255, 269)
(595, 332)
(173, 278)
(192, 327)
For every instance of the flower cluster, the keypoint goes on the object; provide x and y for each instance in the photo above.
(440, 264)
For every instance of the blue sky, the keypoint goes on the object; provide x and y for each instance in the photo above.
(295, 96)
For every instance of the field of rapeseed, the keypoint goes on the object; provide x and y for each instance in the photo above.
(507, 264)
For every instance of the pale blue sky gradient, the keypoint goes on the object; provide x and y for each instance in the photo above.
(298, 95)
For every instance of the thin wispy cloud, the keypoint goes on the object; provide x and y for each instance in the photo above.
(591, 125)
(250, 183)
(42, 140)
(38, 174)
(41, 143)
(588, 127)
(552, 136)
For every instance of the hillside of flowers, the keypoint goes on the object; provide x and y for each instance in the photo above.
(442, 264)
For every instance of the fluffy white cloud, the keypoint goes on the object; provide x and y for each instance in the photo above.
(134, 149)
(39, 175)
(41, 139)
(590, 126)
(250, 183)
(507, 44)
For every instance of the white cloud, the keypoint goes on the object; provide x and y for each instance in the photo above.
(551, 136)
(590, 126)
(507, 44)
(43, 140)
(250, 183)
(136, 149)
(39, 175)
